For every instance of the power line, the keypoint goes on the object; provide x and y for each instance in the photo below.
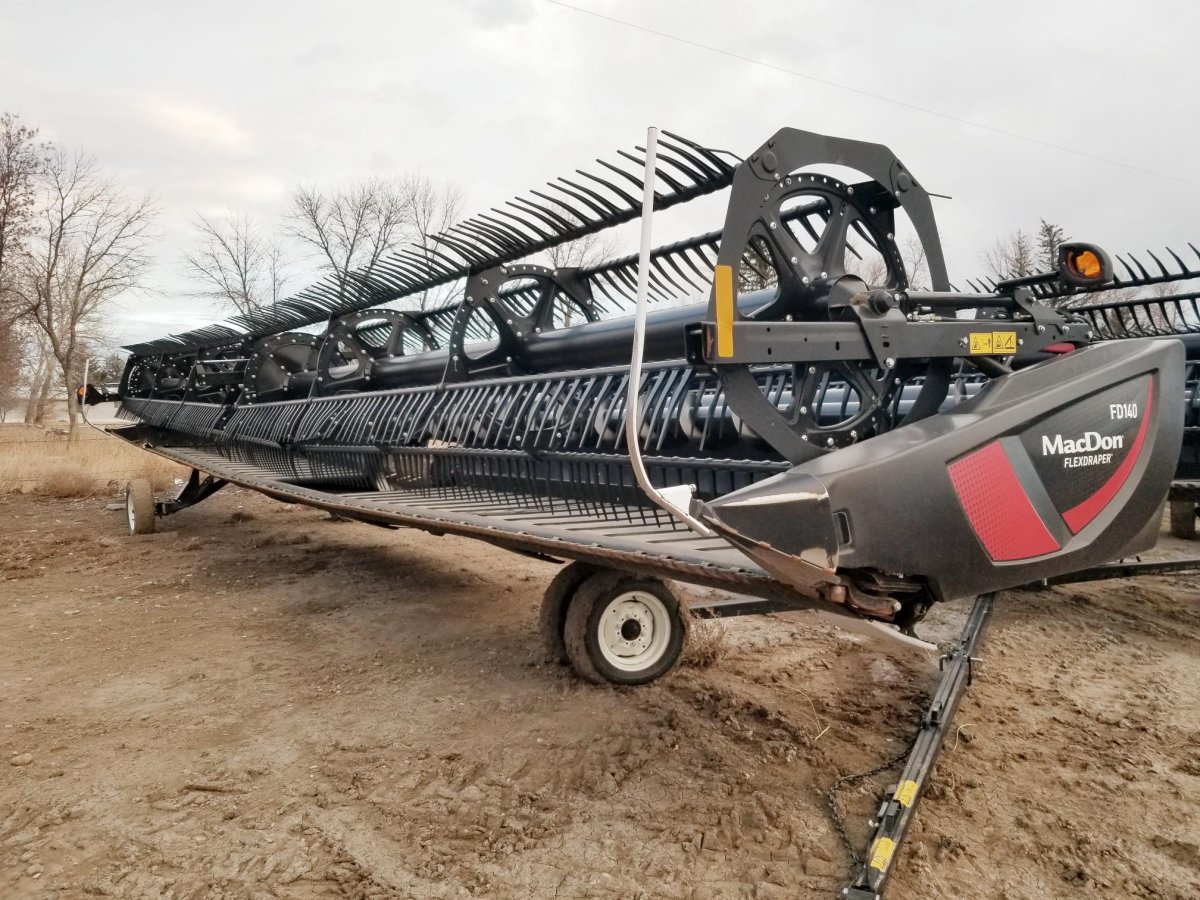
(872, 95)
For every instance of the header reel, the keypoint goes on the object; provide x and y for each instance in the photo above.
(837, 323)
(813, 341)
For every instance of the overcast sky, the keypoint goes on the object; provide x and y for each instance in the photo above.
(218, 105)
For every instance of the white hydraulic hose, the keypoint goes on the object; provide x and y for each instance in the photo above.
(675, 500)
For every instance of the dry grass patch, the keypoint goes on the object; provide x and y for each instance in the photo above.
(707, 643)
(41, 461)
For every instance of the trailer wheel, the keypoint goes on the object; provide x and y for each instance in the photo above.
(139, 506)
(552, 618)
(624, 629)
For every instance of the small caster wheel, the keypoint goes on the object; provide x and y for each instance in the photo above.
(624, 629)
(1183, 519)
(552, 618)
(139, 506)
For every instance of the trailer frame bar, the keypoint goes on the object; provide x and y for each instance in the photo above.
(896, 812)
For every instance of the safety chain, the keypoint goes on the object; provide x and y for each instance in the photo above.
(831, 797)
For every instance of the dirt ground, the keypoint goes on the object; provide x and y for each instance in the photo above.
(263, 702)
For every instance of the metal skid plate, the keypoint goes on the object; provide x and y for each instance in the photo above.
(646, 547)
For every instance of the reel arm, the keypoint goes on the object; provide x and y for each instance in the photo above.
(832, 327)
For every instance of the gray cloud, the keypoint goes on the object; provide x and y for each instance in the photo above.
(232, 105)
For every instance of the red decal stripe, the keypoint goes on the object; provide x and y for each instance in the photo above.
(997, 506)
(1078, 516)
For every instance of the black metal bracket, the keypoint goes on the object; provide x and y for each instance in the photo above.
(515, 315)
(897, 810)
(344, 340)
(195, 491)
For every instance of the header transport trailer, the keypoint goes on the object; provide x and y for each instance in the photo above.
(812, 431)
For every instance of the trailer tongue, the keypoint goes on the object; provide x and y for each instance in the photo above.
(820, 433)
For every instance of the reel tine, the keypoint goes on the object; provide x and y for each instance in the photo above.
(670, 259)
(530, 223)
(466, 249)
(1182, 268)
(656, 263)
(495, 242)
(535, 211)
(607, 207)
(628, 198)
(673, 159)
(562, 225)
(722, 166)
(581, 217)
(1137, 262)
(700, 164)
(666, 179)
(633, 179)
(504, 232)
(1158, 261)
(599, 210)
(543, 235)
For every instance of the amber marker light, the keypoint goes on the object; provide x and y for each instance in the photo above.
(1084, 265)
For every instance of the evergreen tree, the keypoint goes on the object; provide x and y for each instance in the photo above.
(1050, 238)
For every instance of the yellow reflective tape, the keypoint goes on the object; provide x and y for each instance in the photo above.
(881, 853)
(905, 793)
(723, 286)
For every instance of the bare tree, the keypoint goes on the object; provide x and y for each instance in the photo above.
(350, 230)
(431, 210)
(872, 268)
(21, 160)
(234, 265)
(589, 250)
(40, 379)
(581, 252)
(1017, 255)
(107, 368)
(756, 271)
(12, 358)
(1012, 256)
(90, 248)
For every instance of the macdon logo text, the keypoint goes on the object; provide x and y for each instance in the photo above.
(1089, 442)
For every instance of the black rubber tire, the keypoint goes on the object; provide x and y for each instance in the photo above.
(552, 617)
(582, 628)
(139, 506)
(1183, 519)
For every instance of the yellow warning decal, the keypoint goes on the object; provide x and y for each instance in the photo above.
(1004, 342)
(723, 287)
(881, 853)
(906, 793)
(993, 343)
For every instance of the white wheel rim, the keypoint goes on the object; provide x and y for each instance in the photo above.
(635, 631)
(129, 513)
